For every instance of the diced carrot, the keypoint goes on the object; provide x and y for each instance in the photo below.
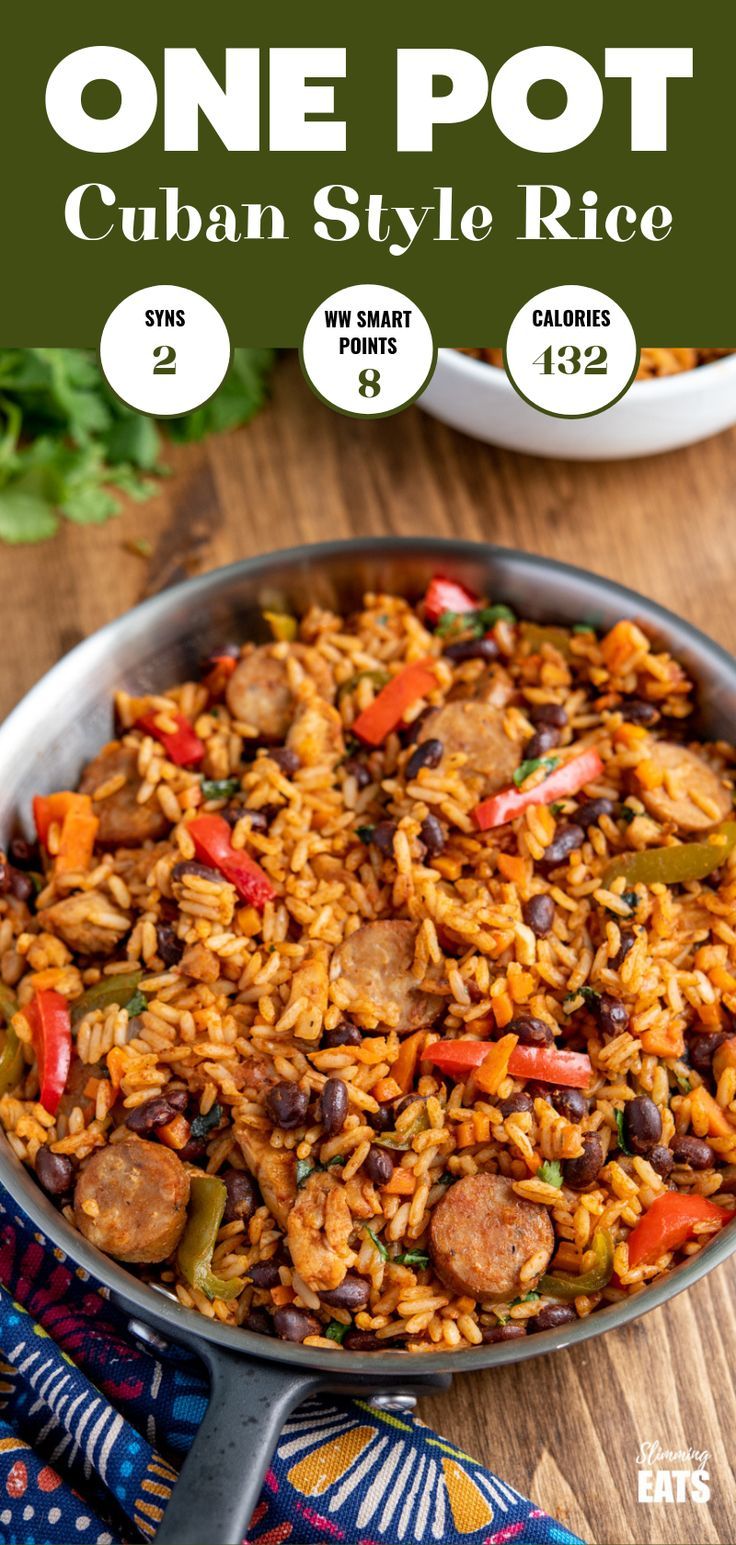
(521, 985)
(648, 774)
(512, 866)
(495, 1065)
(665, 1041)
(190, 798)
(624, 640)
(482, 1125)
(78, 832)
(51, 809)
(116, 1065)
(629, 735)
(503, 1009)
(174, 1133)
(725, 1057)
(402, 1183)
(404, 1068)
(91, 1087)
(710, 1014)
(702, 1104)
(722, 979)
(465, 1134)
(282, 1295)
(386, 1089)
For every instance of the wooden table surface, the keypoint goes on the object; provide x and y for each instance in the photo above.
(565, 1429)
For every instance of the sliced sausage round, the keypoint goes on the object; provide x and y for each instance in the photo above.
(482, 1234)
(374, 965)
(688, 780)
(123, 822)
(131, 1200)
(258, 692)
(477, 730)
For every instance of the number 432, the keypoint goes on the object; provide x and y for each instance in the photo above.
(568, 360)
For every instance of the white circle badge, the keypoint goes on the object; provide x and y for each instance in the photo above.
(368, 350)
(571, 351)
(165, 350)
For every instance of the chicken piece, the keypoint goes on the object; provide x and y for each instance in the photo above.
(310, 982)
(273, 1168)
(88, 922)
(123, 822)
(200, 963)
(259, 693)
(689, 784)
(315, 734)
(131, 1200)
(318, 1231)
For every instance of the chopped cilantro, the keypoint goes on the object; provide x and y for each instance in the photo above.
(220, 788)
(380, 1246)
(626, 814)
(476, 622)
(304, 1168)
(526, 769)
(551, 1173)
(584, 627)
(201, 1125)
(683, 1083)
(136, 1005)
(588, 994)
(619, 1115)
(365, 833)
(557, 807)
(335, 1331)
(411, 1258)
(528, 1298)
(446, 1179)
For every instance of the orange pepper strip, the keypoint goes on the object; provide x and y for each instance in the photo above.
(387, 710)
(77, 841)
(405, 1066)
(50, 808)
(495, 1065)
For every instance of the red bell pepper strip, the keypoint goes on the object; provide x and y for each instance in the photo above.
(551, 1065)
(50, 808)
(669, 1222)
(387, 709)
(211, 837)
(446, 595)
(567, 779)
(51, 1032)
(181, 745)
(456, 1058)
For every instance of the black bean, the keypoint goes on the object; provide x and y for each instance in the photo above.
(178, 1099)
(55, 1172)
(364, 1341)
(342, 1035)
(537, 1091)
(510, 1332)
(241, 1196)
(538, 913)
(547, 713)
(545, 738)
(701, 1049)
(515, 1103)
(265, 1274)
(294, 1324)
(693, 1152)
(258, 819)
(21, 885)
(552, 1315)
(432, 834)
(580, 1173)
(379, 1164)
(570, 1103)
(169, 947)
(359, 771)
(190, 866)
(258, 1321)
(428, 754)
(194, 1151)
(661, 1160)
(154, 1113)
(567, 839)
(5, 873)
(334, 1105)
(352, 1294)
(627, 940)
(287, 1105)
(531, 1031)
(382, 1119)
(383, 837)
(642, 1124)
(590, 813)
(636, 711)
(286, 760)
(612, 1014)
(23, 854)
(472, 649)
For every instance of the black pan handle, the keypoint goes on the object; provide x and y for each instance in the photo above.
(250, 1400)
(221, 1478)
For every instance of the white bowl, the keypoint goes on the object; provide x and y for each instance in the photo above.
(657, 415)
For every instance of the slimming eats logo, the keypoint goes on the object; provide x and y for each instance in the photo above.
(672, 1475)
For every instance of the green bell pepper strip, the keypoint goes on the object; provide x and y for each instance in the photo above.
(206, 1207)
(567, 1287)
(11, 1056)
(379, 679)
(674, 865)
(119, 989)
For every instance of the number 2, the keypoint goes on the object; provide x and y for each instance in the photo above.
(166, 356)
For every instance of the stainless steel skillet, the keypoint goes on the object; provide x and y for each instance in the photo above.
(256, 1381)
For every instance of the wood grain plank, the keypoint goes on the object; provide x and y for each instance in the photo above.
(565, 1429)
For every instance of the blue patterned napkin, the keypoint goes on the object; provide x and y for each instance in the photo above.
(93, 1430)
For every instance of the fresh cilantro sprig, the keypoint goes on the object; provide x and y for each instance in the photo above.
(404, 1258)
(525, 769)
(476, 623)
(220, 788)
(551, 1173)
(622, 1143)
